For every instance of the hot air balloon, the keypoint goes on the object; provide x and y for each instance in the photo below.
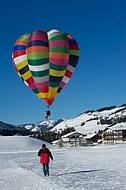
(45, 60)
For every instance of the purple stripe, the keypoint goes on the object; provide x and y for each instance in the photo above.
(58, 43)
(38, 37)
(58, 61)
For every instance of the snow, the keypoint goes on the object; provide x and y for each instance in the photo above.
(69, 134)
(86, 123)
(119, 126)
(100, 167)
(89, 123)
(89, 126)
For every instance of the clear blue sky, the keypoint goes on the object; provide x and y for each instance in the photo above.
(99, 26)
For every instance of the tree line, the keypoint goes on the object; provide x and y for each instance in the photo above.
(47, 136)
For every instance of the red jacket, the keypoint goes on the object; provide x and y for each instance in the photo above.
(45, 155)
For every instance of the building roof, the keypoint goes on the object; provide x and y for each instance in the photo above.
(56, 141)
(89, 136)
(72, 133)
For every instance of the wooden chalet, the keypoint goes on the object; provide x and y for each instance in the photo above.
(75, 138)
(115, 134)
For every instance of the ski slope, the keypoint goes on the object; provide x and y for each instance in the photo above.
(99, 167)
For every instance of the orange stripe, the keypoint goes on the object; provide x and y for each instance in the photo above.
(59, 55)
(37, 49)
(20, 42)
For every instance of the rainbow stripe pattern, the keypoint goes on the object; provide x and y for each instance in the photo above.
(45, 61)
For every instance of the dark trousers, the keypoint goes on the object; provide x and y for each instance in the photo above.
(45, 169)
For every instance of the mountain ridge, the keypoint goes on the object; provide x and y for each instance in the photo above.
(87, 122)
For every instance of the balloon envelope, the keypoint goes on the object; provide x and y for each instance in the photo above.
(46, 61)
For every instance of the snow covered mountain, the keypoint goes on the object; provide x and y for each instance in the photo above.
(88, 122)
(42, 126)
(93, 121)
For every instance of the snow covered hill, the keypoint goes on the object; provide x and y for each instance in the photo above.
(88, 122)
(78, 168)
(20, 143)
(93, 121)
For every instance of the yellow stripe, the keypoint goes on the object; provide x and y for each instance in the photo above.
(52, 92)
(38, 95)
(26, 75)
(21, 64)
(57, 73)
(42, 95)
(19, 74)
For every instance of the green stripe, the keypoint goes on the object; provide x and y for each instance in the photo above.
(56, 67)
(38, 61)
(37, 55)
(54, 84)
(40, 73)
(59, 37)
(24, 37)
(36, 91)
(59, 49)
(75, 52)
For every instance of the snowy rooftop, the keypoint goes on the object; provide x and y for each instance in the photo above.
(72, 133)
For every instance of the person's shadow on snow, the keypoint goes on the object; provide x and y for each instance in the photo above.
(78, 172)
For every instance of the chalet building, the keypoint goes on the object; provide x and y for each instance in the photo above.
(92, 139)
(69, 139)
(115, 134)
(74, 139)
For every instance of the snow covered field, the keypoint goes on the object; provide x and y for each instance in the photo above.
(101, 167)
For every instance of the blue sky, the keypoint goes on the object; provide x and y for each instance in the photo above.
(99, 26)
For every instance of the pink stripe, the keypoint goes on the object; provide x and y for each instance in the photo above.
(58, 61)
(62, 84)
(32, 86)
(38, 37)
(58, 43)
(42, 85)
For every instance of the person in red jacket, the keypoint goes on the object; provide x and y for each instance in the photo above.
(45, 155)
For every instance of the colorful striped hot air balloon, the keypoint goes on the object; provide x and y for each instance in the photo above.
(45, 61)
